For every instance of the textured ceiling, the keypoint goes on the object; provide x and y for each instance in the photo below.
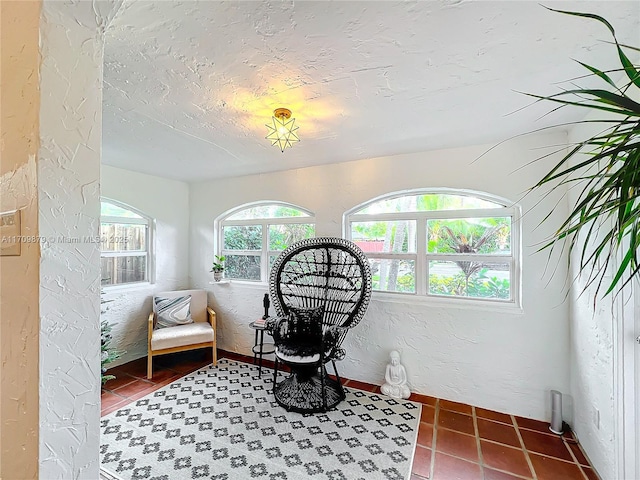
(189, 86)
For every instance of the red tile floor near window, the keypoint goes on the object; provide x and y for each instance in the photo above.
(455, 441)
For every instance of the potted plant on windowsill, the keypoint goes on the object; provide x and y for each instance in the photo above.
(218, 267)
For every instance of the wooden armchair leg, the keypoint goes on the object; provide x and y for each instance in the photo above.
(149, 366)
(215, 355)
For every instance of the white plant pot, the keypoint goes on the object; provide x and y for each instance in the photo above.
(217, 276)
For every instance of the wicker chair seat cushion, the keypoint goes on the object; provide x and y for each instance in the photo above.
(181, 335)
(292, 358)
(299, 337)
(295, 348)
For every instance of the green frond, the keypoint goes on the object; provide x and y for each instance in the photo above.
(604, 223)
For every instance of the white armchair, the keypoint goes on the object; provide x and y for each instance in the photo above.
(199, 334)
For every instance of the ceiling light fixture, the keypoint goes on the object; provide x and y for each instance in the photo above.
(283, 131)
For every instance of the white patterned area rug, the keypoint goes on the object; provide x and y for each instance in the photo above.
(223, 423)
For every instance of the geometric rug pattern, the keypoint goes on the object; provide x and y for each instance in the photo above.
(222, 422)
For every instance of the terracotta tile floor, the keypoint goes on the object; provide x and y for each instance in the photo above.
(455, 441)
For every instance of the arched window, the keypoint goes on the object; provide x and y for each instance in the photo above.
(125, 240)
(440, 243)
(250, 237)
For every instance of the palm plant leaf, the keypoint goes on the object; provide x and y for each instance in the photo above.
(604, 223)
(632, 71)
(600, 74)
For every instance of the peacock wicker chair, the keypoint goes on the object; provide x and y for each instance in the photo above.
(320, 288)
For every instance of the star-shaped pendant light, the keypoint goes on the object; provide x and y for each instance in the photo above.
(283, 131)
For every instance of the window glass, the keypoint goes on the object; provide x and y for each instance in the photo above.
(251, 238)
(393, 275)
(119, 270)
(470, 279)
(243, 238)
(444, 244)
(425, 203)
(281, 236)
(391, 236)
(246, 267)
(124, 245)
(470, 235)
(110, 210)
(116, 237)
(267, 211)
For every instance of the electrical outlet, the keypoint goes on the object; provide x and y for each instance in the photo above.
(596, 418)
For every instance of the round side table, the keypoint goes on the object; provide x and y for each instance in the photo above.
(259, 347)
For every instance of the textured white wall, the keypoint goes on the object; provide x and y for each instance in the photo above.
(71, 39)
(493, 358)
(592, 376)
(592, 361)
(166, 201)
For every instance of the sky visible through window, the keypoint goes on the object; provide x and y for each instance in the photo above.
(110, 210)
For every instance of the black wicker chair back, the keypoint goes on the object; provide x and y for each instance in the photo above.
(332, 272)
(329, 272)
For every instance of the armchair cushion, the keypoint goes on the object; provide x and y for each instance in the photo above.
(181, 335)
(200, 333)
(171, 312)
(198, 302)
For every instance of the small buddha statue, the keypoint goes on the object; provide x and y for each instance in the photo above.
(395, 378)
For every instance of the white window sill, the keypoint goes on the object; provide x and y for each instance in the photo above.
(410, 299)
(127, 287)
(446, 302)
(241, 283)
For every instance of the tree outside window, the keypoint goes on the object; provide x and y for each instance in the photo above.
(251, 237)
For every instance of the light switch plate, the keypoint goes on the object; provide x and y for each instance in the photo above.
(10, 233)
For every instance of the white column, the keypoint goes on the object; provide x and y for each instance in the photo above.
(71, 43)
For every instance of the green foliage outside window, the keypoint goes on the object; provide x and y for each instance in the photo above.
(393, 275)
(243, 238)
(404, 283)
(398, 236)
(281, 236)
(245, 267)
(466, 256)
(479, 286)
(474, 235)
(429, 202)
(267, 211)
(369, 230)
(244, 245)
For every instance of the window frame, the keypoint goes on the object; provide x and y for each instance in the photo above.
(148, 252)
(264, 253)
(422, 257)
